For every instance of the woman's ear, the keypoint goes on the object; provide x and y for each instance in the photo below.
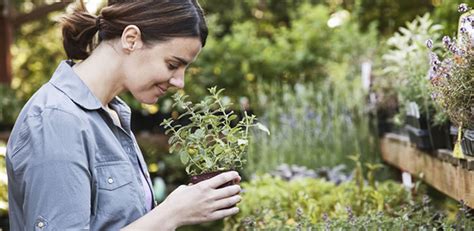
(131, 39)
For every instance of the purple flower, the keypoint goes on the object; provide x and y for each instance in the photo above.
(446, 41)
(325, 217)
(429, 43)
(452, 48)
(350, 214)
(462, 8)
(434, 59)
(431, 74)
(463, 30)
(459, 52)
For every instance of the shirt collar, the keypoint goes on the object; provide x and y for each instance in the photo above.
(70, 84)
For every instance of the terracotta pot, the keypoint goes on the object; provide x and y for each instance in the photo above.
(198, 178)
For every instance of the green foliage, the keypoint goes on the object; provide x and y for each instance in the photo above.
(446, 14)
(407, 64)
(37, 50)
(209, 143)
(388, 14)
(10, 105)
(271, 203)
(299, 52)
(312, 124)
(3, 181)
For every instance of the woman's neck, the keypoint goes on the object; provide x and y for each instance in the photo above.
(101, 72)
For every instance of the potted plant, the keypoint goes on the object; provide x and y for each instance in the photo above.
(407, 65)
(452, 79)
(209, 144)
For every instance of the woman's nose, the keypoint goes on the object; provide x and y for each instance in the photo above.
(177, 81)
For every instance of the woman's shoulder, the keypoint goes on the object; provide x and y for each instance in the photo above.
(48, 98)
(63, 92)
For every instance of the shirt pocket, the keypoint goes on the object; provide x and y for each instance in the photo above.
(115, 189)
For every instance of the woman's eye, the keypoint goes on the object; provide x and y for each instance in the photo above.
(172, 67)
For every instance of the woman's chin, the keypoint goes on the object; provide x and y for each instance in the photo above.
(149, 100)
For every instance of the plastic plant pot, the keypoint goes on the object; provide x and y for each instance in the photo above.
(439, 136)
(467, 142)
(420, 137)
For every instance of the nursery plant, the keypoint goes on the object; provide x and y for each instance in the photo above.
(214, 139)
(452, 78)
(274, 203)
(407, 64)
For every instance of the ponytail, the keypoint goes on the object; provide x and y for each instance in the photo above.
(79, 29)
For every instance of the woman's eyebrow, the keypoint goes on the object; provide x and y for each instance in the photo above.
(181, 60)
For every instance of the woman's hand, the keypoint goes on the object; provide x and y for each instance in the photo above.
(203, 202)
(193, 204)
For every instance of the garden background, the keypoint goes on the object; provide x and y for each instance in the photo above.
(311, 70)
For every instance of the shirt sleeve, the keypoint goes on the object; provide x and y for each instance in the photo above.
(51, 173)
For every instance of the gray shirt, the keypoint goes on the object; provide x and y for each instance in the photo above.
(69, 167)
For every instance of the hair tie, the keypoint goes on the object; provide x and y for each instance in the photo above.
(97, 22)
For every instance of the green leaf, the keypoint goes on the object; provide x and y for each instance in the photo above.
(242, 142)
(232, 117)
(199, 133)
(225, 131)
(184, 157)
(231, 138)
(172, 140)
(208, 162)
(172, 148)
(263, 128)
(218, 149)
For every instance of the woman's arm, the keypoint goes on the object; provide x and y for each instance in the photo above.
(193, 204)
(49, 178)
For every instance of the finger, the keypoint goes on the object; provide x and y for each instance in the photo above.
(226, 192)
(219, 214)
(221, 179)
(226, 202)
(238, 180)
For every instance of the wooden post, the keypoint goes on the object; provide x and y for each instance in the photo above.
(5, 41)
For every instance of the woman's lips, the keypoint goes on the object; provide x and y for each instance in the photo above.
(161, 90)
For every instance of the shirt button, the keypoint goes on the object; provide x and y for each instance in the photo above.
(110, 180)
(40, 224)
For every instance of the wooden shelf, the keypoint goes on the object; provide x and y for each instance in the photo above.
(454, 177)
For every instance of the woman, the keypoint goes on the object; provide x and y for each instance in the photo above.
(72, 161)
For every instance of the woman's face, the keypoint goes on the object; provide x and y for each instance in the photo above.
(150, 70)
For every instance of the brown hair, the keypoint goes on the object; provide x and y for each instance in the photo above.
(158, 20)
